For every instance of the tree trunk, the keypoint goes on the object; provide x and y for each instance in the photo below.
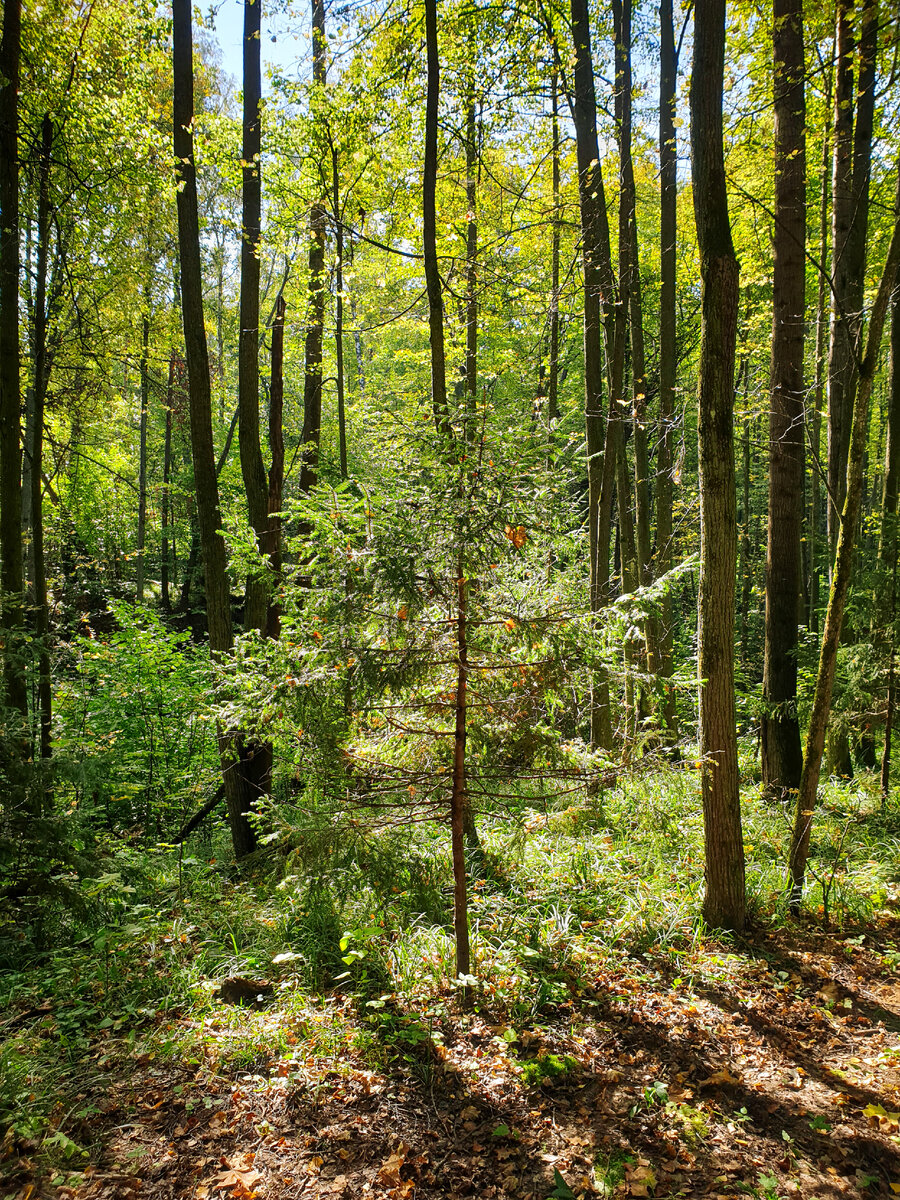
(253, 471)
(276, 472)
(725, 901)
(312, 382)
(339, 310)
(843, 567)
(459, 801)
(218, 602)
(39, 392)
(782, 760)
(429, 228)
(471, 250)
(166, 485)
(598, 300)
(840, 344)
(553, 365)
(668, 359)
(142, 451)
(888, 544)
(11, 560)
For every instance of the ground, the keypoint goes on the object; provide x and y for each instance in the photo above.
(767, 1068)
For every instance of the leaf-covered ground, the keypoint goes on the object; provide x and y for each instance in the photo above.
(770, 1069)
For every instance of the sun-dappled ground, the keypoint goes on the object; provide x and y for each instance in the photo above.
(613, 1048)
(770, 1068)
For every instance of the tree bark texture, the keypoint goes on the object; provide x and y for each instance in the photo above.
(11, 559)
(218, 601)
(276, 471)
(842, 572)
(782, 760)
(725, 903)
(312, 382)
(429, 227)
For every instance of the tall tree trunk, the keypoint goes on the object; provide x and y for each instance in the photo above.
(815, 434)
(725, 901)
(840, 352)
(312, 381)
(252, 468)
(239, 797)
(39, 391)
(11, 561)
(599, 292)
(142, 449)
(861, 391)
(166, 486)
(668, 360)
(471, 249)
(276, 472)
(782, 760)
(553, 365)
(429, 227)
(339, 309)
(888, 542)
(459, 802)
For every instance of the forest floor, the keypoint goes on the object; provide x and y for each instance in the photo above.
(768, 1068)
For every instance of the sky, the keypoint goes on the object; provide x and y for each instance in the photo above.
(287, 52)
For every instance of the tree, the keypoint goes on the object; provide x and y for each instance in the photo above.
(781, 754)
(725, 901)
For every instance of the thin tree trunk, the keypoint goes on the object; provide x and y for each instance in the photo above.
(782, 759)
(471, 251)
(843, 569)
(746, 568)
(668, 360)
(276, 472)
(840, 344)
(888, 544)
(459, 802)
(339, 310)
(553, 365)
(598, 301)
(725, 901)
(253, 470)
(429, 227)
(815, 503)
(142, 451)
(218, 603)
(312, 383)
(11, 560)
(166, 485)
(39, 391)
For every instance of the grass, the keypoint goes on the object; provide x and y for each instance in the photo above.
(369, 916)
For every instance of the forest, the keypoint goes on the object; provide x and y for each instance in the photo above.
(449, 471)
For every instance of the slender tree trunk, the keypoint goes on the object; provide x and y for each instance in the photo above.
(668, 360)
(239, 797)
(840, 343)
(142, 451)
(843, 569)
(459, 802)
(746, 567)
(339, 310)
(276, 472)
(357, 336)
(471, 250)
(11, 560)
(725, 897)
(815, 504)
(782, 759)
(598, 302)
(888, 544)
(39, 391)
(553, 365)
(253, 470)
(429, 227)
(166, 485)
(312, 383)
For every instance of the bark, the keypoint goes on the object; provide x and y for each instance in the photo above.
(459, 801)
(339, 310)
(218, 603)
(725, 901)
(253, 470)
(668, 361)
(471, 251)
(429, 228)
(142, 451)
(276, 471)
(842, 573)
(815, 434)
(553, 365)
(598, 300)
(887, 549)
(166, 486)
(12, 569)
(312, 382)
(42, 366)
(782, 760)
